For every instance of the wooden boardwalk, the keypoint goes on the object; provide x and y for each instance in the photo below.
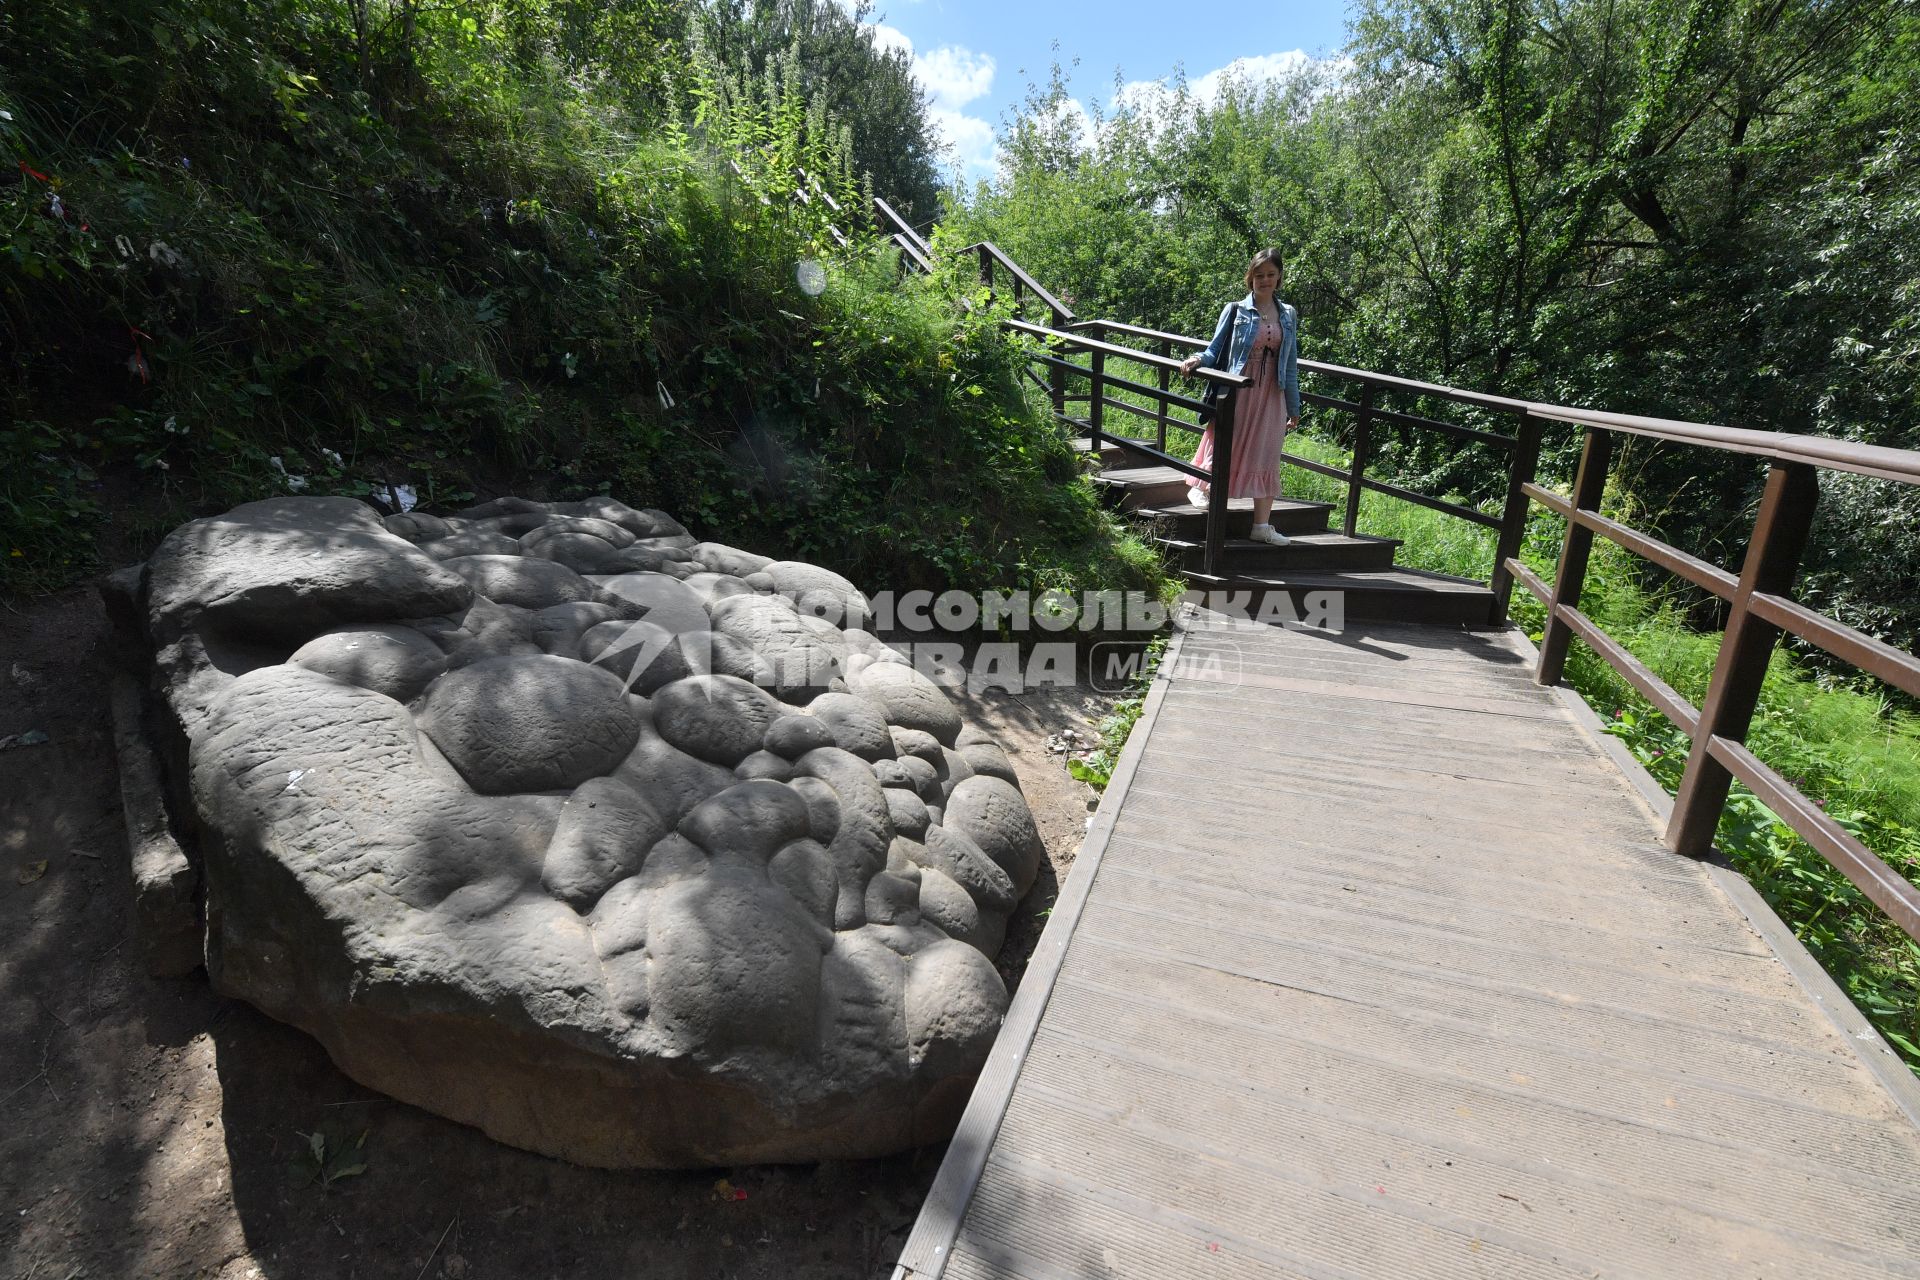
(1372, 966)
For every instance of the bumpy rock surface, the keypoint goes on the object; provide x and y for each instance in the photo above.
(619, 845)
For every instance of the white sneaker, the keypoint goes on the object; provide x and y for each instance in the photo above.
(1265, 533)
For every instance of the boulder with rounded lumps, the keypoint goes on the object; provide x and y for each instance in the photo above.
(728, 561)
(672, 780)
(915, 742)
(482, 630)
(417, 526)
(944, 903)
(471, 542)
(748, 821)
(907, 811)
(820, 593)
(955, 1001)
(793, 736)
(639, 651)
(764, 764)
(715, 587)
(391, 659)
(580, 552)
(992, 813)
(604, 833)
(529, 724)
(718, 718)
(908, 699)
(522, 582)
(663, 601)
(289, 568)
(857, 725)
(804, 661)
(557, 628)
(607, 531)
(671, 920)
(990, 759)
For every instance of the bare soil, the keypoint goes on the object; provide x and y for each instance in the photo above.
(150, 1128)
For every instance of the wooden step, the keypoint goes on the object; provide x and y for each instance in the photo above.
(1306, 552)
(1131, 488)
(1112, 453)
(1184, 520)
(1369, 595)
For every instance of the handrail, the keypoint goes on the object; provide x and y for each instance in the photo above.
(1878, 461)
(987, 249)
(1874, 460)
(1127, 353)
(1414, 386)
(1762, 608)
(901, 227)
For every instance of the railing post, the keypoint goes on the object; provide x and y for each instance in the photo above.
(1160, 422)
(986, 270)
(1214, 559)
(1362, 454)
(1588, 488)
(1096, 400)
(1056, 376)
(1773, 561)
(1522, 467)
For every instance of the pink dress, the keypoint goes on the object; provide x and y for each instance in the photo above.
(1259, 428)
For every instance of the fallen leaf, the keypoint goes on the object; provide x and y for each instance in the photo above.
(31, 871)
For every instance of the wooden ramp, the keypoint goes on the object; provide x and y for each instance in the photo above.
(1372, 966)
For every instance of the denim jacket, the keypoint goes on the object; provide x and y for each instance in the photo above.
(1233, 339)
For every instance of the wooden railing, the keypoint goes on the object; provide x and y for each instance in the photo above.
(1064, 335)
(1521, 449)
(1058, 343)
(1760, 598)
(1760, 607)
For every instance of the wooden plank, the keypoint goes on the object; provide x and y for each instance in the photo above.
(1381, 971)
(930, 1244)
(1205, 1127)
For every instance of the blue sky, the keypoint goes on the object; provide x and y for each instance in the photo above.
(976, 57)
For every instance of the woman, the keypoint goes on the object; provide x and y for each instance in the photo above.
(1257, 336)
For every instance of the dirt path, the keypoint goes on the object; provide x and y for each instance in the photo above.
(148, 1128)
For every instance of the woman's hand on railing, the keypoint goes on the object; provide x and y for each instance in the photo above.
(1188, 365)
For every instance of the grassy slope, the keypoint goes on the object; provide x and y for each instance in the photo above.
(492, 279)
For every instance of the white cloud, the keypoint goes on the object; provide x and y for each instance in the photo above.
(886, 38)
(1250, 71)
(952, 76)
(1153, 100)
(971, 139)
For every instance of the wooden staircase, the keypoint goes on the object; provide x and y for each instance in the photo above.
(1319, 559)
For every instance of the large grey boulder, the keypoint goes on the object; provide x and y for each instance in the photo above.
(553, 820)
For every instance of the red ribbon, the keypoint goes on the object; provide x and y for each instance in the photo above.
(140, 357)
